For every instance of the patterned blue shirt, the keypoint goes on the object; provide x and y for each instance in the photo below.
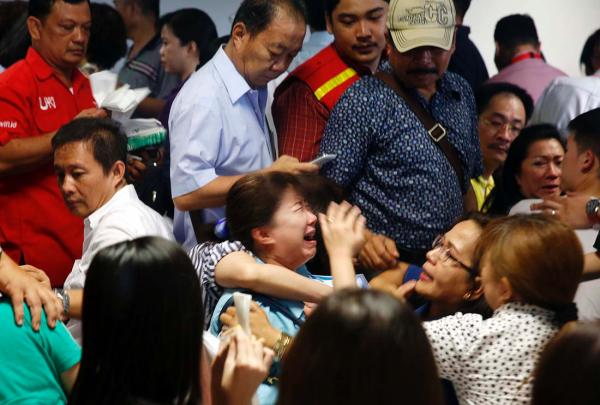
(390, 167)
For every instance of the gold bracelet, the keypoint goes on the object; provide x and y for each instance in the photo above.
(281, 345)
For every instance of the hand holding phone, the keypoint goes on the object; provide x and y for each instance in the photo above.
(321, 160)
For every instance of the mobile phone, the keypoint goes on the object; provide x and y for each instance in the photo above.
(321, 160)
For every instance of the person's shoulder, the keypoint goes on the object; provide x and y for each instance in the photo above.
(457, 82)
(18, 78)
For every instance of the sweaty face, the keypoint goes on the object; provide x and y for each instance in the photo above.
(421, 67)
(499, 125)
(83, 184)
(172, 54)
(447, 280)
(266, 55)
(62, 36)
(359, 30)
(292, 231)
(540, 171)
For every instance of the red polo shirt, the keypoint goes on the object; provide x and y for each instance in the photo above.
(35, 226)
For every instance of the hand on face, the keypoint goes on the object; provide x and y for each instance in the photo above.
(343, 229)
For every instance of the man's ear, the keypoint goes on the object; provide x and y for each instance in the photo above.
(587, 161)
(118, 172)
(34, 26)
(262, 236)
(328, 23)
(239, 35)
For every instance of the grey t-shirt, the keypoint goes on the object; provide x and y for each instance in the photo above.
(145, 70)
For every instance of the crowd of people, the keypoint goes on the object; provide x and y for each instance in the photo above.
(409, 228)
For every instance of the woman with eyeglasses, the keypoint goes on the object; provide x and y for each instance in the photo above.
(447, 282)
(503, 111)
(532, 169)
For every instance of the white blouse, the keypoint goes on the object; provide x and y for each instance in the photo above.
(491, 361)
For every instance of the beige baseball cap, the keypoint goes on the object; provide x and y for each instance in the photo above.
(414, 23)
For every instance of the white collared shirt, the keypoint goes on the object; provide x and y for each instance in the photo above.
(217, 127)
(491, 361)
(123, 217)
(564, 99)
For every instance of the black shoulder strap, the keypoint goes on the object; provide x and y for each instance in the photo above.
(436, 131)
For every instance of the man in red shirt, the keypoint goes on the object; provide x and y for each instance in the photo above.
(303, 102)
(37, 96)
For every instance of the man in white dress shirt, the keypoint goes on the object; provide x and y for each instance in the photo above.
(89, 161)
(217, 125)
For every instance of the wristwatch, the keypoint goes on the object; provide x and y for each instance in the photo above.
(63, 295)
(591, 209)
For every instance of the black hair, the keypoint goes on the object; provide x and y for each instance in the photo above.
(148, 7)
(142, 326)
(40, 9)
(316, 14)
(330, 5)
(585, 129)
(10, 11)
(257, 15)
(103, 135)
(108, 36)
(507, 193)
(486, 92)
(567, 372)
(592, 44)
(193, 25)
(15, 42)
(514, 30)
(461, 7)
(253, 200)
(350, 332)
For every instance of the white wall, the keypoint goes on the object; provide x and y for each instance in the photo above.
(563, 25)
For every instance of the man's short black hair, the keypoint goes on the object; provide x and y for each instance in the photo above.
(258, 14)
(103, 135)
(585, 129)
(461, 7)
(149, 7)
(108, 37)
(587, 54)
(316, 14)
(40, 9)
(330, 5)
(484, 96)
(514, 30)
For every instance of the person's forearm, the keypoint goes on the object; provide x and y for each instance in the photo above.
(342, 270)
(211, 195)
(21, 155)
(75, 302)
(150, 107)
(268, 279)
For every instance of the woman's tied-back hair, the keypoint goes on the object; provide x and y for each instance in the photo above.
(253, 200)
(540, 256)
(142, 326)
(360, 347)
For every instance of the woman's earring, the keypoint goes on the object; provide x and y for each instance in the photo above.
(468, 295)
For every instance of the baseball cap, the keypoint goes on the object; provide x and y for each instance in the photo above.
(414, 23)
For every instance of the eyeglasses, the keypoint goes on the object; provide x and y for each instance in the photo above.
(439, 244)
(500, 125)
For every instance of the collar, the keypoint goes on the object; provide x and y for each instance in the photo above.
(150, 45)
(123, 195)
(320, 37)
(43, 71)
(526, 55)
(234, 82)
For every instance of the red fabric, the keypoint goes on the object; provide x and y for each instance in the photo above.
(35, 225)
(299, 117)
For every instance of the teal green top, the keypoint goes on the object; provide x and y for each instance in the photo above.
(31, 362)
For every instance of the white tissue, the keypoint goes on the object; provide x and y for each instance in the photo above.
(121, 101)
(242, 308)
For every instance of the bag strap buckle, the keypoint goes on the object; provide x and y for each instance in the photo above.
(437, 133)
